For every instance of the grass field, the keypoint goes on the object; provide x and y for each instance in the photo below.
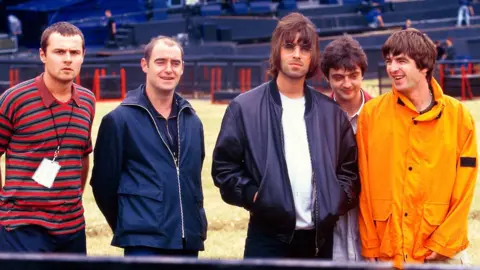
(227, 224)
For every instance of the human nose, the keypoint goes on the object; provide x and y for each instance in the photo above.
(296, 51)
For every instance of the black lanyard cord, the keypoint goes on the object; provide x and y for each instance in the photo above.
(60, 140)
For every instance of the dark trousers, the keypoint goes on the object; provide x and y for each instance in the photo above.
(262, 244)
(37, 239)
(149, 251)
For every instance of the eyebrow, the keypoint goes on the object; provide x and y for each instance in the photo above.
(398, 57)
(63, 49)
(347, 74)
(164, 59)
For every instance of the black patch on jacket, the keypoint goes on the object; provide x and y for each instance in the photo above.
(468, 162)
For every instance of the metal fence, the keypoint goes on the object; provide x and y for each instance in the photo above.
(215, 77)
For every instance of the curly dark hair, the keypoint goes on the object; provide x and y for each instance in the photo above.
(343, 52)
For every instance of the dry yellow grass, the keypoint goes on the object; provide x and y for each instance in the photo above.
(227, 224)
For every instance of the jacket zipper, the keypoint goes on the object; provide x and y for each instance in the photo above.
(315, 205)
(289, 184)
(315, 201)
(175, 160)
(178, 175)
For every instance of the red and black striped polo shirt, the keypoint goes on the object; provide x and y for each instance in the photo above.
(27, 135)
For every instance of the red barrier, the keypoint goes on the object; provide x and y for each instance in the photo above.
(466, 85)
(212, 84)
(96, 84)
(242, 79)
(11, 77)
(249, 79)
(442, 75)
(123, 82)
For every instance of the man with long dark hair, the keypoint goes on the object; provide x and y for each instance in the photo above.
(287, 153)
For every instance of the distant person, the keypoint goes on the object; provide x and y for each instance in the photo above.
(450, 52)
(148, 160)
(148, 9)
(15, 25)
(440, 50)
(408, 24)
(465, 10)
(111, 29)
(374, 18)
(366, 6)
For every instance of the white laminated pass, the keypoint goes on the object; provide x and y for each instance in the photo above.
(46, 172)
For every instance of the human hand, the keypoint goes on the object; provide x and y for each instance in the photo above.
(436, 257)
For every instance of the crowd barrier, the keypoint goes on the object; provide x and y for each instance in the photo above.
(219, 80)
(460, 79)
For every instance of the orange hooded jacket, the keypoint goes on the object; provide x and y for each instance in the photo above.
(418, 174)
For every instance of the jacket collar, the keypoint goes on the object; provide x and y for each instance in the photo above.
(139, 98)
(366, 96)
(434, 113)
(276, 95)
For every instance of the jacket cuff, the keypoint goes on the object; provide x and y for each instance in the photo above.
(249, 191)
(449, 252)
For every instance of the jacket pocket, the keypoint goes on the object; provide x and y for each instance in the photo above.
(382, 213)
(139, 212)
(435, 214)
(202, 217)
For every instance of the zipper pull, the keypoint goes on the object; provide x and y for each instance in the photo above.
(316, 251)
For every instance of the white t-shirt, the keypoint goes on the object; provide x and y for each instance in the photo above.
(297, 156)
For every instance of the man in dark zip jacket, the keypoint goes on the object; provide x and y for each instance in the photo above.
(148, 160)
(287, 153)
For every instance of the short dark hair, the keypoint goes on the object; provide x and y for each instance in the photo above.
(415, 45)
(286, 30)
(65, 29)
(167, 40)
(344, 52)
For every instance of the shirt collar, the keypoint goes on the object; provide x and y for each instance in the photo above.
(361, 106)
(173, 112)
(47, 97)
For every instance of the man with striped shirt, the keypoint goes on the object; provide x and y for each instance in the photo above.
(45, 126)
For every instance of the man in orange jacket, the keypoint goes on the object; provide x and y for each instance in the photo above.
(418, 161)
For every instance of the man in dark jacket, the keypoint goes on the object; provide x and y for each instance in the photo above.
(287, 153)
(148, 156)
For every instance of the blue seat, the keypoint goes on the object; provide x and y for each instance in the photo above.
(211, 10)
(287, 5)
(260, 7)
(240, 8)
